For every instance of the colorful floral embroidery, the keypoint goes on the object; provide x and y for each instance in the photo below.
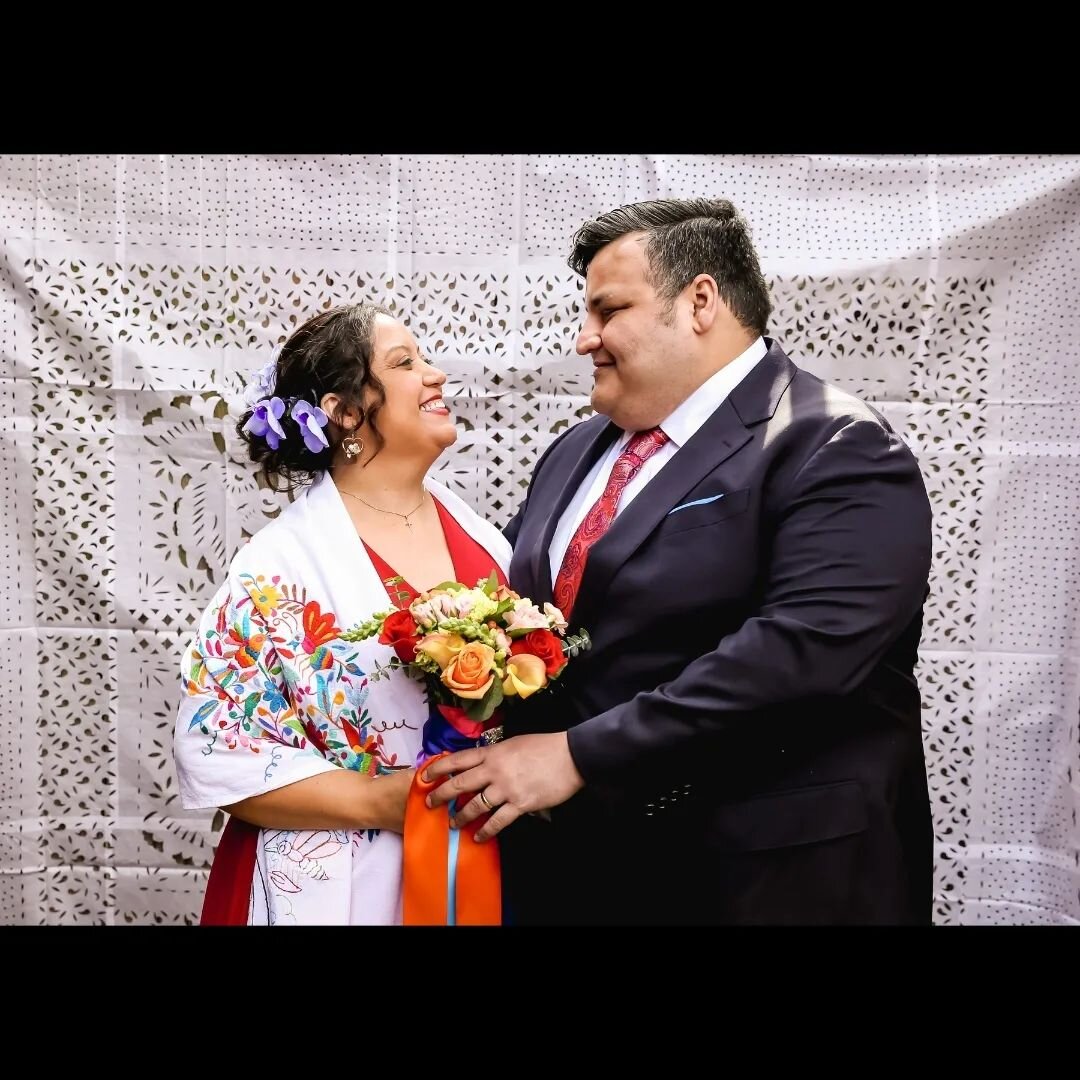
(274, 669)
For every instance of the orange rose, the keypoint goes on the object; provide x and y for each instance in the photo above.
(471, 673)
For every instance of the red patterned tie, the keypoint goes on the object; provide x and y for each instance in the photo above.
(597, 521)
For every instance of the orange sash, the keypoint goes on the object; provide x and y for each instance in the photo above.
(448, 878)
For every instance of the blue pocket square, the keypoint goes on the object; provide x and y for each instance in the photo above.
(696, 502)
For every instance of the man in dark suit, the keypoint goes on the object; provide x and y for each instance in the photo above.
(748, 548)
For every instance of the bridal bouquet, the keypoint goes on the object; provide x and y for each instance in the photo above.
(475, 646)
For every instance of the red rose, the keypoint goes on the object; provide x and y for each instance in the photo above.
(546, 645)
(400, 632)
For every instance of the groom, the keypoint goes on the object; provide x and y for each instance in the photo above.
(748, 548)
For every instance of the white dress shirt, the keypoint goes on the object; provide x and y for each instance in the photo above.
(679, 427)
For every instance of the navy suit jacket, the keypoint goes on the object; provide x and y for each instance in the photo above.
(747, 720)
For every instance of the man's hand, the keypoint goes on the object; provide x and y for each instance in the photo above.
(517, 776)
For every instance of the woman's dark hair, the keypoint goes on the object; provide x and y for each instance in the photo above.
(687, 237)
(329, 354)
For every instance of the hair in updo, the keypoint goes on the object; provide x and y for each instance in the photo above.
(329, 354)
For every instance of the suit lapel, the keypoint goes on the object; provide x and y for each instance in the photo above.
(552, 506)
(758, 395)
(718, 438)
(723, 434)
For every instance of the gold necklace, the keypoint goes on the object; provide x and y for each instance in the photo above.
(404, 517)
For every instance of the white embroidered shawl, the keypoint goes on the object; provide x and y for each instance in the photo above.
(272, 696)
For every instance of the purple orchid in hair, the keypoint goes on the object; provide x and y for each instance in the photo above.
(265, 420)
(261, 383)
(312, 420)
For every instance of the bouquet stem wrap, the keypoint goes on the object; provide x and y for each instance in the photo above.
(448, 879)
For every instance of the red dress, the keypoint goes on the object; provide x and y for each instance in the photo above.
(228, 891)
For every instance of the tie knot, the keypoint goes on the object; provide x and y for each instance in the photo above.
(645, 443)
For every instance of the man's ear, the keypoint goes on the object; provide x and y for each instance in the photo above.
(707, 305)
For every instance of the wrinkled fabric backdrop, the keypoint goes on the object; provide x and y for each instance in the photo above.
(137, 292)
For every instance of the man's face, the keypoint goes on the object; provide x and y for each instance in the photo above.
(638, 343)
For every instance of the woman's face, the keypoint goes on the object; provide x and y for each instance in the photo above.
(414, 418)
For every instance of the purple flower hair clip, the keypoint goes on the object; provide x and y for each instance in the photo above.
(265, 420)
(312, 420)
(261, 383)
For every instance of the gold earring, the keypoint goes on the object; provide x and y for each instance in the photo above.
(352, 446)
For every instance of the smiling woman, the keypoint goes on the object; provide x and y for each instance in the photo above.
(280, 721)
